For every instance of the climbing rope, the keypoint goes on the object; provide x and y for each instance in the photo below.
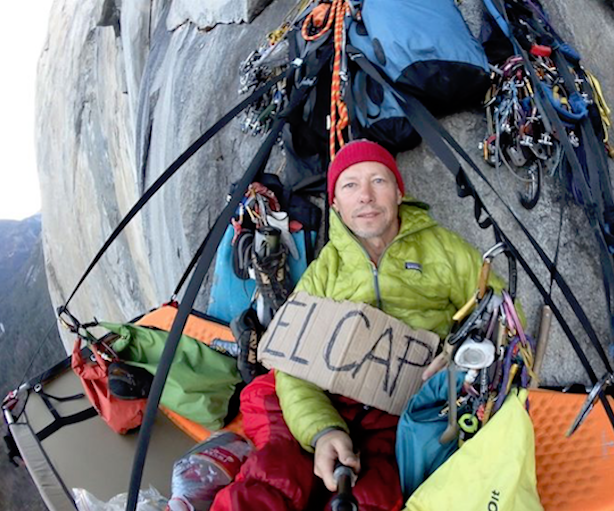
(323, 16)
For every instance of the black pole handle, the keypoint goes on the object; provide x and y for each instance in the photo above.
(344, 500)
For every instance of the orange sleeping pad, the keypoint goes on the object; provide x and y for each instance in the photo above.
(573, 473)
(202, 330)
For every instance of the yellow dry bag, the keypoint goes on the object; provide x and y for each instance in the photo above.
(493, 471)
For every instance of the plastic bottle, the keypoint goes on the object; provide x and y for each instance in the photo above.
(206, 469)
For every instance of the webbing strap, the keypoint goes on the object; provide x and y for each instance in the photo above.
(592, 192)
(48, 397)
(561, 319)
(173, 167)
(60, 422)
(209, 250)
(435, 135)
(210, 247)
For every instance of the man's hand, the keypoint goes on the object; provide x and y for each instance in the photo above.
(333, 446)
(438, 363)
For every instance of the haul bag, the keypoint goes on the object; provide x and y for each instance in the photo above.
(493, 470)
(230, 295)
(121, 415)
(204, 330)
(424, 48)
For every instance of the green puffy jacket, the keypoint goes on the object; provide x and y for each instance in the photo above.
(424, 276)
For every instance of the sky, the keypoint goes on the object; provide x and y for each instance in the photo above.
(22, 39)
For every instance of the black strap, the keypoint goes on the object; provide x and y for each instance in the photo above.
(309, 248)
(208, 253)
(437, 137)
(561, 319)
(173, 167)
(48, 397)
(60, 422)
(60, 399)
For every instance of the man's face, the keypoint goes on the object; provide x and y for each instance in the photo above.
(367, 198)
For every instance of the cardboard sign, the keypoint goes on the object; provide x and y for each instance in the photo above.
(348, 348)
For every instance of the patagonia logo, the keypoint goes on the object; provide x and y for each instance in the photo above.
(413, 266)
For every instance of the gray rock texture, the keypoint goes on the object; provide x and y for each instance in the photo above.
(125, 87)
(205, 15)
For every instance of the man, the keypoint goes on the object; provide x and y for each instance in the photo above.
(386, 251)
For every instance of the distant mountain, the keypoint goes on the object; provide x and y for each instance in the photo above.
(28, 331)
(17, 239)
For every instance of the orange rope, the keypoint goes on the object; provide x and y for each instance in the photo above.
(339, 117)
(337, 105)
(316, 18)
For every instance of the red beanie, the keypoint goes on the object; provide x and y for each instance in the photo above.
(359, 151)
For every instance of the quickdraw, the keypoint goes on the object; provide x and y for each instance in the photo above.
(517, 136)
(489, 343)
(269, 60)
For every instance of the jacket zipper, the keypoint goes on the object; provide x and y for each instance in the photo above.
(378, 295)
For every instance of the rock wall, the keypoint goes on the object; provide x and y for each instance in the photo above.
(125, 87)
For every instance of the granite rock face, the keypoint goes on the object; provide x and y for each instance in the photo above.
(125, 87)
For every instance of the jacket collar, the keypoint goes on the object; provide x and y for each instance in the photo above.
(413, 214)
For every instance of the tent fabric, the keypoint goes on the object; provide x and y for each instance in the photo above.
(201, 380)
(197, 327)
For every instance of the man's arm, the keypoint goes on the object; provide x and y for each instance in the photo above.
(307, 410)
